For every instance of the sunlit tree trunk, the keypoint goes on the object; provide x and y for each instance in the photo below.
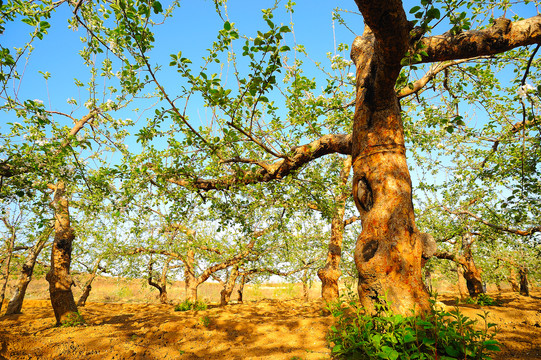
(59, 277)
(330, 273)
(472, 273)
(306, 284)
(16, 303)
(189, 277)
(240, 291)
(9, 244)
(513, 280)
(462, 285)
(88, 285)
(225, 294)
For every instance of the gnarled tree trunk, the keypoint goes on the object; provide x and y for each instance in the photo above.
(189, 277)
(243, 280)
(16, 303)
(59, 277)
(225, 294)
(389, 249)
(330, 273)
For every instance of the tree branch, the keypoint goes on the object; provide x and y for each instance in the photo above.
(328, 144)
(503, 35)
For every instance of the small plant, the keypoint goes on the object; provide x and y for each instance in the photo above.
(440, 335)
(205, 321)
(73, 319)
(481, 300)
(191, 305)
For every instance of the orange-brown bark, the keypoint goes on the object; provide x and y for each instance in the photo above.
(59, 277)
(331, 272)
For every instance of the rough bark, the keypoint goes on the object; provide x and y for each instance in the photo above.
(88, 285)
(225, 294)
(16, 303)
(305, 284)
(389, 250)
(330, 273)
(59, 277)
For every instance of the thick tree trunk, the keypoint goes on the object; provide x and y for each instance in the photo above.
(59, 277)
(389, 250)
(330, 273)
(16, 303)
(524, 286)
(225, 294)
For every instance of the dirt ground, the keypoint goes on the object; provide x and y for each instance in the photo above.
(257, 329)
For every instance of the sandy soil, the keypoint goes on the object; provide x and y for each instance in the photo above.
(263, 329)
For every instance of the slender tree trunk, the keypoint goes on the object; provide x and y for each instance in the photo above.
(305, 284)
(189, 277)
(59, 277)
(225, 294)
(16, 303)
(88, 285)
(472, 274)
(330, 273)
(513, 280)
(162, 287)
(10, 245)
(524, 286)
(462, 285)
(240, 291)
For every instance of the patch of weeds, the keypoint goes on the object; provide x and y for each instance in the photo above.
(205, 321)
(182, 352)
(73, 319)
(191, 305)
(482, 300)
(385, 335)
(133, 337)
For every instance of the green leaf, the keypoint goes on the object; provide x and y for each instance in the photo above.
(415, 9)
(157, 7)
(227, 25)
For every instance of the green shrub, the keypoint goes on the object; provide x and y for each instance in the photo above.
(482, 300)
(191, 305)
(440, 335)
(73, 319)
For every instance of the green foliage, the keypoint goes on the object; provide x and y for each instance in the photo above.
(440, 335)
(482, 300)
(187, 305)
(73, 319)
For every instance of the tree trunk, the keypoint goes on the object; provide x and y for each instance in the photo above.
(16, 303)
(472, 274)
(330, 273)
(10, 244)
(225, 294)
(523, 275)
(240, 291)
(462, 284)
(513, 280)
(162, 287)
(305, 284)
(88, 285)
(389, 250)
(59, 277)
(189, 277)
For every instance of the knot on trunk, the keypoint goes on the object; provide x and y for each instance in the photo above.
(362, 193)
(429, 245)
